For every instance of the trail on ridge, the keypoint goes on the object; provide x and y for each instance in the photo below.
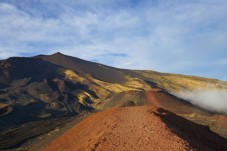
(132, 128)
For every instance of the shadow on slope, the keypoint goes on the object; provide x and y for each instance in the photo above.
(15, 137)
(21, 71)
(198, 136)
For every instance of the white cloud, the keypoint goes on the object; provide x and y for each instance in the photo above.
(209, 99)
(168, 36)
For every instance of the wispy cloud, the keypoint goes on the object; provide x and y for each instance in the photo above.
(172, 36)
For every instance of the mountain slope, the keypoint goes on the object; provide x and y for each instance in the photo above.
(43, 88)
(98, 71)
(137, 128)
(58, 85)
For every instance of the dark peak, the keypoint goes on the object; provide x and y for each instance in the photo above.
(58, 53)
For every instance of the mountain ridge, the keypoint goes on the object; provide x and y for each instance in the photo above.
(46, 87)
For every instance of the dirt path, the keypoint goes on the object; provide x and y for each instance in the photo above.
(134, 128)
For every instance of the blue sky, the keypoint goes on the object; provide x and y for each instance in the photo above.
(176, 36)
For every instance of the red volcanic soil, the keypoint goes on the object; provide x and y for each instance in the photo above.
(221, 120)
(170, 102)
(137, 128)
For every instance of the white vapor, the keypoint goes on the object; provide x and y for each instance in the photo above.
(208, 99)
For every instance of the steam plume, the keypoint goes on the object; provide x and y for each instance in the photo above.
(211, 99)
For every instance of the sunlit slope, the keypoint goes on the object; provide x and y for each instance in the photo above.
(57, 85)
(35, 88)
(177, 82)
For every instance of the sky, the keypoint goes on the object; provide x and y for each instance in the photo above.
(174, 36)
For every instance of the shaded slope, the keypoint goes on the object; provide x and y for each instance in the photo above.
(137, 128)
(19, 71)
(4, 110)
(99, 71)
(16, 136)
(30, 90)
